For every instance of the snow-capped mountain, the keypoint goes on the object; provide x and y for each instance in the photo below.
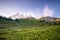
(19, 16)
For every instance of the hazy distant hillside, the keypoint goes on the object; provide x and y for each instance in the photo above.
(50, 19)
(47, 18)
(6, 22)
(30, 21)
(57, 19)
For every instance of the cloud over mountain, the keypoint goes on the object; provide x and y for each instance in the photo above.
(36, 13)
(47, 11)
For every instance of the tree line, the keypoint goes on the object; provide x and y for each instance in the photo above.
(27, 22)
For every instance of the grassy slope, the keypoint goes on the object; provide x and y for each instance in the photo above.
(39, 33)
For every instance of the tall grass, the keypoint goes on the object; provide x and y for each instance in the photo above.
(38, 33)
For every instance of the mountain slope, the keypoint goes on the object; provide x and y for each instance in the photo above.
(49, 19)
(17, 16)
(6, 22)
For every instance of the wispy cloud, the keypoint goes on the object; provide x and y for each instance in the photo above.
(47, 11)
(34, 13)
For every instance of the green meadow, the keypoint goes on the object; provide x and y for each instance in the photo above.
(37, 33)
(28, 29)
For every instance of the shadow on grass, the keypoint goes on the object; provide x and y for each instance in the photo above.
(2, 38)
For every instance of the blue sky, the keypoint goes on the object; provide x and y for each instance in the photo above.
(36, 8)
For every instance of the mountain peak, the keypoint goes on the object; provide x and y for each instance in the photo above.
(17, 16)
(47, 18)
